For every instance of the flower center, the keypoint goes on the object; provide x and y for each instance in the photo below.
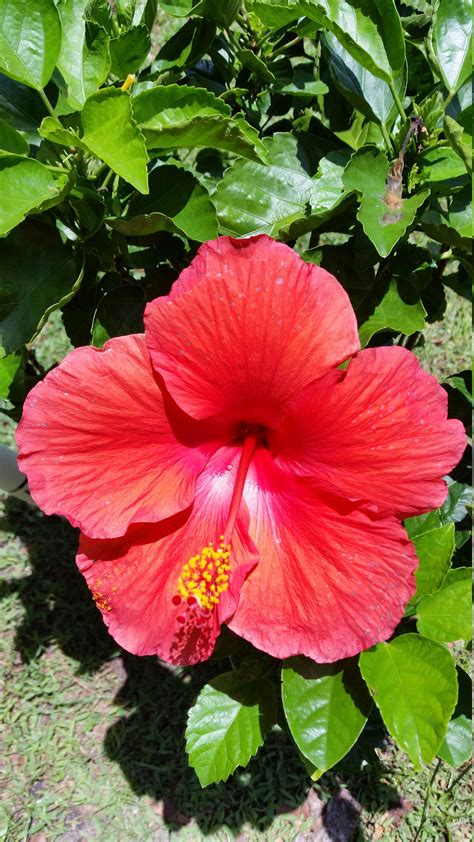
(206, 575)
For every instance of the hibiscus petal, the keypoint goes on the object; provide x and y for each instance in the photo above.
(134, 579)
(377, 431)
(247, 325)
(332, 579)
(101, 445)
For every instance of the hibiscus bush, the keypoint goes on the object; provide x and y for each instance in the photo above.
(227, 201)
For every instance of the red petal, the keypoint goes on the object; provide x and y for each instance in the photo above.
(97, 445)
(246, 327)
(134, 579)
(332, 580)
(377, 431)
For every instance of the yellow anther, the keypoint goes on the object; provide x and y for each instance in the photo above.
(206, 575)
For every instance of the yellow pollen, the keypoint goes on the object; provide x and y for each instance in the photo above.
(206, 575)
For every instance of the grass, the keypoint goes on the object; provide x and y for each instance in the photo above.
(92, 745)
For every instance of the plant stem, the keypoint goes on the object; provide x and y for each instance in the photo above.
(397, 100)
(448, 99)
(107, 178)
(46, 101)
(426, 802)
(286, 46)
(386, 137)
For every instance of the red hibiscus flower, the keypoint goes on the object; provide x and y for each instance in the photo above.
(223, 468)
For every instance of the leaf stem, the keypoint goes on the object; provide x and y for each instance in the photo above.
(397, 100)
(46, 101)
(386, 137)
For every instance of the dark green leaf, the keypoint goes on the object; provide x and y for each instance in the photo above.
(228, 723)
(370, 31)
(30, 40)
(413, 682)
(434, 550)
(366, 92)
(39, 274)
(187, 46)
(177, 203)
(120, 312)
(454, 507)
(20, 105)
(11, 140)
(84, 61)
(111, 133)
(383, 223)
(175, 116)
(454, 225)
(326, 706)
(457, 745)
(452, 38)
(458, 382)
(446, 614)
(26, 185)
(129, 50)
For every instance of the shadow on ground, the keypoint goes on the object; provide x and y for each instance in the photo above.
(148, 742)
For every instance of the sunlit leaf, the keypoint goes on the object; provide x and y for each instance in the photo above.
(22, 25)
(446, 614)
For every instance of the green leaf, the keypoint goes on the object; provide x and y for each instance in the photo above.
(457, 745)
(25, 186)
(413, 682)
(459, 496)
(30, 40)
(369, 94)
(452, 226)
(440, 163)
(281, 197)
(326, 706)
(457, 381)
(9, 365)
(446, 614)
(275, 13)
(460, 141)
(435, 550)
(222, 12)
(20, 105)
(39, 274)
(369, 30)
(394, 313)
(111, 133)
(383, 224)
(84, 60)
(175, 116)
(129, 51)
(11, 140)
(303, 84)
(177, 203)
(54, 131)
(422, 523)
(228, 723)
(255, 64)
(452, 39)
(187, 46)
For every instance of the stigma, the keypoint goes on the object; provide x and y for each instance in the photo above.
(205, 576)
